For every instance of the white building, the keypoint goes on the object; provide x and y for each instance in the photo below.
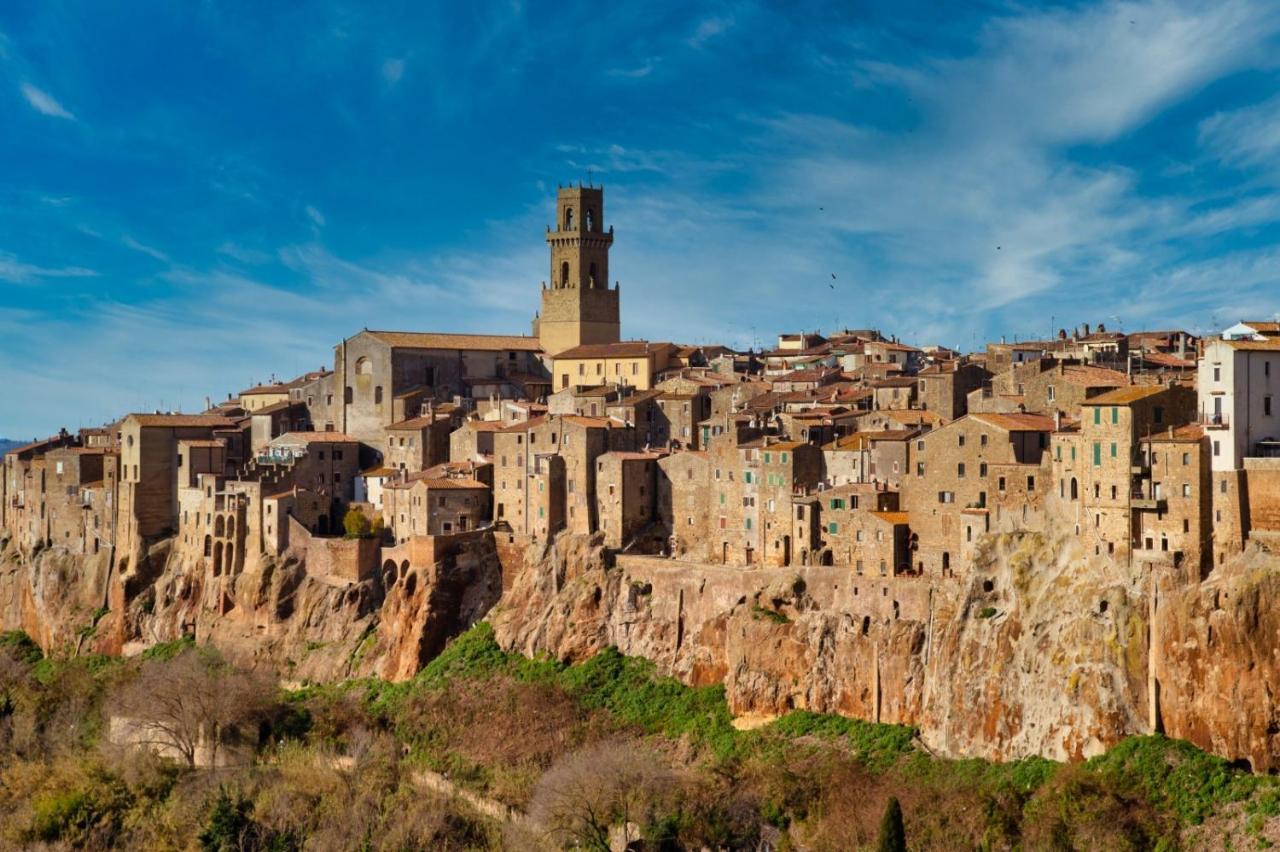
(1239, 388)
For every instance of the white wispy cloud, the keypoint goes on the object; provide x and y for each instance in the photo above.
(17, 272)
(315, 215)
(43, 102)
(708, 28)
(130, 242)
(1245, 137)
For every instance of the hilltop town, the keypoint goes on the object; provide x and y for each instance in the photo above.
(893, 464)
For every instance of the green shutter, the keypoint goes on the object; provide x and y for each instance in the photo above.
(768, 458)
(784, 458)
(833, 527)
(1113, 449)
(1097, 415)
(748, 523)
(1115, 414)
(1097, 454)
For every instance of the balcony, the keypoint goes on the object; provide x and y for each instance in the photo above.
(1148, 502)
(1210, 420)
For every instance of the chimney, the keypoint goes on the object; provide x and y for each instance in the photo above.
(1086, 329)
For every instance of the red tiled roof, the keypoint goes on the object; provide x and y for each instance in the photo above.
(472, 342)
(1017, 422)
(175, 421)
(625, 349)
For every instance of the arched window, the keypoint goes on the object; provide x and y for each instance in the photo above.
(591, 275)
(377, 395)
(208, 546)
(564, 274)
(1075, 489)
(220, 527)
(347, 395)
(591, 219)
(217, 559)
(568, 218)
(231, 526)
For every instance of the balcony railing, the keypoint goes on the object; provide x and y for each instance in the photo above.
(1210, 420)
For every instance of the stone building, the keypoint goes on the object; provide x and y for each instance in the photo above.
(966, 464)
(578, 308)
(149, 458)
(435, 506)
(626, 495)
(635, 363)
(80, 506)
(473, 440)
(534, 494)
(1174, 521)
(386, 376)
(1103, 485)
(683, 503)
(944, 387)
(1064, 387)
(416, 444)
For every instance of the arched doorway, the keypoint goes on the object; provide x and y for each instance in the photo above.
(217, 559)
(1075, 489)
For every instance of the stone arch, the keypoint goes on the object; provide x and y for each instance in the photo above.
(208, 546)
(404, 568)
(231, 526)
(410, 585)
(568, 218)
(564, 273)
(1075, 489)
(364, 367)
(389, 572)
(217, 559)
(590, 219)
(220, 527)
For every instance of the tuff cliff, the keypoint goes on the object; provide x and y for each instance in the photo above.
(1042, 650)
(274, 615)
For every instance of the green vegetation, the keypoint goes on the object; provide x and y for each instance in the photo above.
(581, 748)
(771, 614)
(987, 612)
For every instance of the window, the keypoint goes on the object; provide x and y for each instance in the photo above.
(748, 523)
(961, 442)
(1186, 490)
(1115, 414)
(920, 446)
(1000, 484)
(833, 528)
(377, 395)
(1097, 452)
(1113, 449)
(1186, 458)
(1051, 396)
(1222, 487)
(347, 395)
(982, 469)
(1217, 448)
(946, 497)
(837, 503)
(1097, 416)
(783, 457)
(919, 468)
(982, 439)
(1266, 406)
(1113, 492)
(1217, 374)
(1031, 483)
(960, 470)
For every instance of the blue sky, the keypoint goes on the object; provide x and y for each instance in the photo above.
(194, 196)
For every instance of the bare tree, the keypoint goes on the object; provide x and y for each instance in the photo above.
(583, 796)
(187, 705)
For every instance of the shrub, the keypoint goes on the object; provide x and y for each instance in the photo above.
(356, 524)
(893, 836)
(21, 646)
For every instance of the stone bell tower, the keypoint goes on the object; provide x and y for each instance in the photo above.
(578, 306)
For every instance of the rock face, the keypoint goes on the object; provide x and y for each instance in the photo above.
(277, 616)
(1044, 650)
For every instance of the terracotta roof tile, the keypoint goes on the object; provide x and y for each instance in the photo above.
(473, 342)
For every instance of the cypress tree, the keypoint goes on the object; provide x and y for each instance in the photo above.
(893, 837)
